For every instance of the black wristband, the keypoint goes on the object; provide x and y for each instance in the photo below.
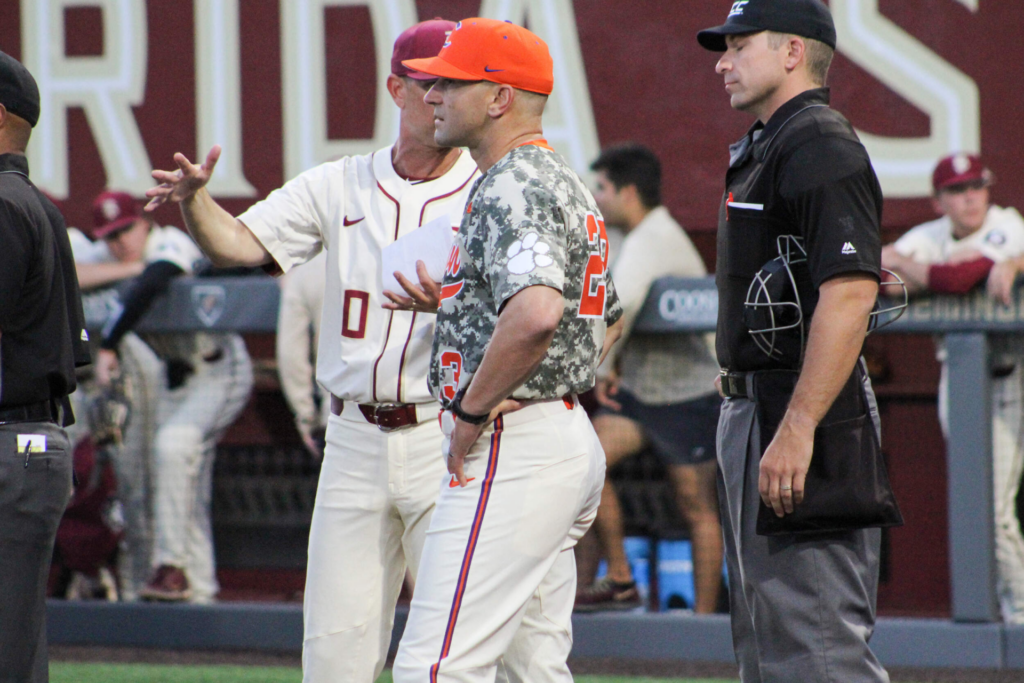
(456, 408)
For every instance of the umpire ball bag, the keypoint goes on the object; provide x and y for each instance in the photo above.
(847, 485)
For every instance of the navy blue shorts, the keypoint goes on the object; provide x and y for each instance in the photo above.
(680, 433)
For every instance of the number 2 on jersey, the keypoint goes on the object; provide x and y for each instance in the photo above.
(592, 299)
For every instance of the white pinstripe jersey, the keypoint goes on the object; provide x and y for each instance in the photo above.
(354, 207)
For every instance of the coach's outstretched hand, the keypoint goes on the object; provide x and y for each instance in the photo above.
(177, 186)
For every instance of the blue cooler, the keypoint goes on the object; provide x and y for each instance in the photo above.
(675, 575)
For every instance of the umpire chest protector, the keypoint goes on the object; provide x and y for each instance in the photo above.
(805, 174)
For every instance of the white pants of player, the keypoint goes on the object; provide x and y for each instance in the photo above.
(1007, 467)
(132, 461)
(373, 504)
(497, 580)
(191, 418)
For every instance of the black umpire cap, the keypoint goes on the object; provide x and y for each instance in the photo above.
(18, 90)
(804, 18)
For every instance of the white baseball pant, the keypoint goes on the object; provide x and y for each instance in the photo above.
(191, 418)
(1007, 467)
(497, 580)
(132, 461)
(373, 504)
(133, 464)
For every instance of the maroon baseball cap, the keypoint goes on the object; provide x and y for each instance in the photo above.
(425, 39)
(112, 211)
(957, 169)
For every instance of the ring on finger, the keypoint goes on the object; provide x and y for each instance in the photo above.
(786, 488)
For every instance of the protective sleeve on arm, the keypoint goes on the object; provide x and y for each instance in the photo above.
(958, 278)
(153, 281)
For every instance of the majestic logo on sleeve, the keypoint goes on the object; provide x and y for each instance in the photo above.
(527, 254)
(593, 299)
(452, 271)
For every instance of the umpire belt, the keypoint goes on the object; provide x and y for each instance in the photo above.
(737, 384)
(771, 384)
(50, 410)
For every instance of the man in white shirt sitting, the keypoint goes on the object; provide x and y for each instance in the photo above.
(655, 390)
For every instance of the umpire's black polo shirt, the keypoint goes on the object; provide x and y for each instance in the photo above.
(804, 173)
(42, 335)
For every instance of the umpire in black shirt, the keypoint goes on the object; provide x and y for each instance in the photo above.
(42, 340)
(803, 606)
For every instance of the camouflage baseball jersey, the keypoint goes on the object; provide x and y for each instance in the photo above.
(530, 221)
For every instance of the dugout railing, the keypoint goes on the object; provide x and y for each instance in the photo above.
(690, 305)
(973, 638)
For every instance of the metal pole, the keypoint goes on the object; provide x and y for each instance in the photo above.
(971, 506)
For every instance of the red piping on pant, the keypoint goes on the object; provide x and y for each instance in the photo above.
(474, 535)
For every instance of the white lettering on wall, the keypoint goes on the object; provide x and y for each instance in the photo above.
(303, 72)
(219, 95)
(105, 87)
(569, 117)
(948, 96)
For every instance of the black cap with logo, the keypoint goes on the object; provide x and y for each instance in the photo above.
(804, 18)
(18, 90)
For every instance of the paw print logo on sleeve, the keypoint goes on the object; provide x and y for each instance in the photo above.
(527, 254)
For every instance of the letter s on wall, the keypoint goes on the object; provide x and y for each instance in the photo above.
(948, 96)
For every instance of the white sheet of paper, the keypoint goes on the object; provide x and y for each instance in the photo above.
(430, 243)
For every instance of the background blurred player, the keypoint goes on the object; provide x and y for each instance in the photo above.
(521, 327)
(655, 390)
(102, 275)
(298, 337)
(206, 384)
(974, 241)
(381, 470)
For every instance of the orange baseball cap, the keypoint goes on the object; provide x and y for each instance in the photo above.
(490, 50)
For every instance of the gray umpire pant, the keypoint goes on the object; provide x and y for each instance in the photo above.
(34, 489)
(802, 607)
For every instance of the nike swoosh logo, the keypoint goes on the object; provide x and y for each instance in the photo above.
(490, 70)
(347, 222)
(455, 481)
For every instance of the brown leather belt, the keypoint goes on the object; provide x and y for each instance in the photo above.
(387, 416)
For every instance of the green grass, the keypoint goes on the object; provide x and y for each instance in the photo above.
(68, 672)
